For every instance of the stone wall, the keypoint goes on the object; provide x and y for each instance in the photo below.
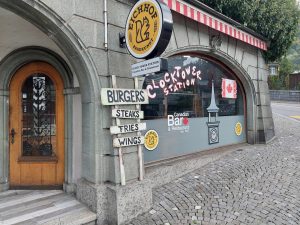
(285, 95)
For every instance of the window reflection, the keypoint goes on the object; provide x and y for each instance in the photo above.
(186, 87)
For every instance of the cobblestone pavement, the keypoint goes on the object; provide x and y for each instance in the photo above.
(255, 185)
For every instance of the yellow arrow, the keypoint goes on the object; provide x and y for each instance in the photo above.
(296, 117)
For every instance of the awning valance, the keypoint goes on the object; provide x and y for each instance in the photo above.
(211, 21)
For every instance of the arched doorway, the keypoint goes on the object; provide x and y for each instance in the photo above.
(36, 124)
(74, 60)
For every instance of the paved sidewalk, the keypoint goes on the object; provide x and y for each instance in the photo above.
(255, 185)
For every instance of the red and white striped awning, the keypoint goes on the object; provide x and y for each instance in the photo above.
(215, 23)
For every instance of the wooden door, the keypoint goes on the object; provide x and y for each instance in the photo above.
(36, 125)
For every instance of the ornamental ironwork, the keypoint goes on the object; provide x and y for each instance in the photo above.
(38, 116)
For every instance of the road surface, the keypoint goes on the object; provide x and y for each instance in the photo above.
(291, 110)
(255, 185)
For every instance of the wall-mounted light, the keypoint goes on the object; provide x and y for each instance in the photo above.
(122, 40)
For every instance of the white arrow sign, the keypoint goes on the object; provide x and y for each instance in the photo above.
(127, 128)
(127, 114)
(128, 141)
(117, 96)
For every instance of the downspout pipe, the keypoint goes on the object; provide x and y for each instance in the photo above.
(105, 25)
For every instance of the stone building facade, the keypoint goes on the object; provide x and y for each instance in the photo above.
(68, 38)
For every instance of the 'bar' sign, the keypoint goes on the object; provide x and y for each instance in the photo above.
(116, 96)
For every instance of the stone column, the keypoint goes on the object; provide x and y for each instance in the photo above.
(4, 138)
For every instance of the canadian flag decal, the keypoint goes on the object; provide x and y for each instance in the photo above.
(229, 88)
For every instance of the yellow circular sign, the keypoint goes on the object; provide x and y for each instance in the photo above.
(143, 28)
(238, 129)
(151, 140)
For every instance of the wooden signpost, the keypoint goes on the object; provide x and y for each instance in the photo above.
(154, 42)
(115, 97)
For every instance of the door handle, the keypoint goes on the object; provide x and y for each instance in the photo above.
(12, 134)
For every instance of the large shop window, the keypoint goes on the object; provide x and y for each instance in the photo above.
(186, 88)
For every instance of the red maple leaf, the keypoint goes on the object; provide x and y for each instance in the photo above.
(229, 88)
(185, 121)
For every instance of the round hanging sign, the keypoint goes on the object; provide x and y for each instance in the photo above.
(151, 140)
(238, 129)
(148, 29)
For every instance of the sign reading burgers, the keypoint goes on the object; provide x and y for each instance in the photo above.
(148, 29)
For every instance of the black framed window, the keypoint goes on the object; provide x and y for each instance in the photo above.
(186, 88)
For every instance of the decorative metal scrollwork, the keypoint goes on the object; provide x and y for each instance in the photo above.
(38, 103)
(213, 134)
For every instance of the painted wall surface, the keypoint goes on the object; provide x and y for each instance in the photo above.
(176, 143)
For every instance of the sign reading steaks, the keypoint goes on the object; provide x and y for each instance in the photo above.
(127, 114)
(116, 96)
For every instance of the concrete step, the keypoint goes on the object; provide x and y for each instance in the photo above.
(43, 207)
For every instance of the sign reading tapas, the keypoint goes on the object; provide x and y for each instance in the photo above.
(115, 96)
(127, 128)
(148, 29)
(127, 114)
(179, 122)
(128, 141)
